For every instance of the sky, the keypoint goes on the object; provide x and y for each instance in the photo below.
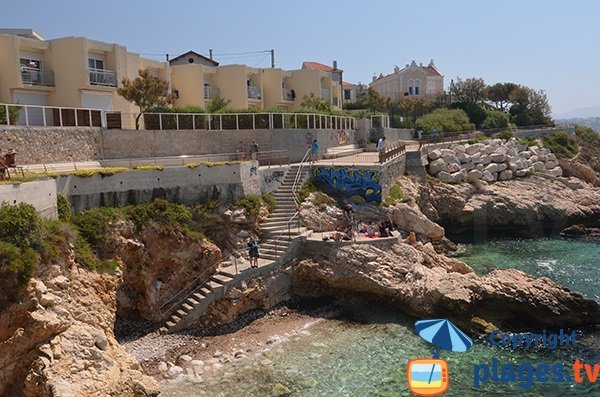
(549, 45)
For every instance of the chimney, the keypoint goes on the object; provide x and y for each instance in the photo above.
(334, 65)
(396, 69)
(374, 76)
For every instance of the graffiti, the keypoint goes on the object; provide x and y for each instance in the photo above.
(364, 183)
(253, 171)
(309, 138)
(342, 137)
(276, 176)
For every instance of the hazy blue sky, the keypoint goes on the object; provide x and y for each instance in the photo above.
(550, 45)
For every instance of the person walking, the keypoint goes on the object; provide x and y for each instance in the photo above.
(381, 147)
(253, 252)
(254, 149)
(240, 151)
(315, 150)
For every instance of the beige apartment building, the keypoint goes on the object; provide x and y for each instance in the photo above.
(67, 72)
(412, 81)
(83, 73)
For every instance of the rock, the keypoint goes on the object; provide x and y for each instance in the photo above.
(162, 366)
(475, 174)
(273, 340)
(538, 166)
(521, 148)
(501, 167)
(174, 371)
(453, 167)
(444, 176)
(551, 164)
(451, 158)
(468, 166)
(498, 157)
(411, 218)
(472, 149)
(525, 154)
(424, 284)
(556, 171)
(434, 155)
(524, 172)
(458, 176)
(492, 168)
(437, 166)
(321, 217)
(479, 167)
(488, 176)
(280, 390)
(49, 299)
(505, 175)
(185, 360)
(217, 354)
(486, 159)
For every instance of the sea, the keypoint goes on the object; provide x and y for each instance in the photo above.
(366, 350)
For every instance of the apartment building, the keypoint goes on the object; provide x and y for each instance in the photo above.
(67, 72)
(413, 81)
(79, 72)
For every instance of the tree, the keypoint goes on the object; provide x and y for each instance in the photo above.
(495, 119)
(146, 91)
(315, 103)
(445, 120)
(530, 107)
(469, 91)
(500, 95)
(376, 102)
(217, 104)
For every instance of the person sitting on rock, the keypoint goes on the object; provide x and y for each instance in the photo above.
(348, 234)
(337, 235)
(383, 231)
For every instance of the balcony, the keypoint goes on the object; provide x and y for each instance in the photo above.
(106, 78)
(253, 92)
(33, 76)
(288, 95)
(210, 92)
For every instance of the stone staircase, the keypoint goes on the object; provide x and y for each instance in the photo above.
(275, 244)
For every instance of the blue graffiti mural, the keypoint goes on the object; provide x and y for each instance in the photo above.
(364, 183)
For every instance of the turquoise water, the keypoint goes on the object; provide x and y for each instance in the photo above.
(366, 352)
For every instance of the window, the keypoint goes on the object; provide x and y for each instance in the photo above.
(347, 94)
(31, 63)
(95, 63)
(414, 87)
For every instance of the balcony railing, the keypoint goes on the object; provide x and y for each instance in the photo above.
(33, 76)
(210, 92)
(288, 95)
(253, 92)
(103, 77)
(326, 94)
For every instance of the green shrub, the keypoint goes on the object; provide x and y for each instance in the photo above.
(307, 189)
(149, 167)
(505, 135)
(322, 200)
(159, 211)
(445, 120)
(358, 200)
(495, 119)
(13, 114)
(84, 254)
(561, 145)
(21, 225)
(529, 141)
(251, 204)
(269, 201)
(395, 195)
(19, 261)
(95, 225)
(478, 138)
(65, 213)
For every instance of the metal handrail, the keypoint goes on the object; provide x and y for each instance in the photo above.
(34, 76)
(172, 306)
(297, 179)
(63, 117)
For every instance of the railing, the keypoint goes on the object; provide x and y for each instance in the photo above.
(50, 116)
(238, 121)
(449, 137)
(176, 300)
(325, 94)
(287, 94)
(33, 76)
(392, 152)
(296, 185)
(266, 158)
(210, 92)
(380, 121)
(103, 77)
(369, 157)
(253, 92)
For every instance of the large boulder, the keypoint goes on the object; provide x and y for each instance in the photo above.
(434, 155)
(505, 175)
(498, 157)
(425, 284)
(410, 217)
(475, 148)
(437, 165)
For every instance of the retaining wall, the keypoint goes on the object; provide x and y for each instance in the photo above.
(35, 145)
(40, 194)
(225, 183)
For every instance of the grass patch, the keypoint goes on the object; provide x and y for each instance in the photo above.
(211, 163)
(561, 144)
(251, 204)
(28, 177)
(529, 141)
(322, 200)
(478, 139)
(306, 189)
(395, 195)
(269, 201)
(149, 167)
(505, 135)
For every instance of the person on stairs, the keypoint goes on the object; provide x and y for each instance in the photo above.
(253, 252)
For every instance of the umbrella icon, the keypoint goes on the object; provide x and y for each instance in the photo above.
(444, 335)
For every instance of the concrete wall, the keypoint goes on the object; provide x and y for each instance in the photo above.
(36, 145)
(390, 172)
(226, 183)
(136, 144)
(391, 134)
(543, 132)
(40, 194)
(271, 178)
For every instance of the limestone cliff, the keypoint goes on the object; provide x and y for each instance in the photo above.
(425, 284)
(57, 339)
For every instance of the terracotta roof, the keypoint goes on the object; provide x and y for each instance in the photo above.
(215, 63)
(317, 66)
(346, 84)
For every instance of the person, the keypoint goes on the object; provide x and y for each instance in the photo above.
(383, 231)
(337, 235)
(240, 151)
(254, 149)
(348, 235)
(348, 211)
(315, 150)
(412, 238)
(253, 252)
(370, 230)
(381, 145)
